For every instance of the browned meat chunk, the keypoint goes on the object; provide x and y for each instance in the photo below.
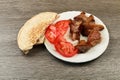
(90, 19)
(94, 37)
(75, 30)
(87, 27)
(88, 23)
(82, 17)
(75, 26)
(83, 46)
(75, 36)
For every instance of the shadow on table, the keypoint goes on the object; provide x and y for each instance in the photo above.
(37, 50)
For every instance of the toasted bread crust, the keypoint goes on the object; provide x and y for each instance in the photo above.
(33, 30)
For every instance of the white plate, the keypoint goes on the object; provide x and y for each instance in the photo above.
(93, 53)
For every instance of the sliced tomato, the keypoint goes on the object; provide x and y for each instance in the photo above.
(65, 48)
(50, 33)
(62, 26)
(55, 35)
(59, 28)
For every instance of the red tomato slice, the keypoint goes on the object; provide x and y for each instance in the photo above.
(62, 26)
(65, 48)
(50, 33)
(59, 28)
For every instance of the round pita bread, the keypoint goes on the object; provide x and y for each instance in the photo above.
(33, 30)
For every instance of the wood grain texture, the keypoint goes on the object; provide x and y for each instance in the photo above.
(39, 64)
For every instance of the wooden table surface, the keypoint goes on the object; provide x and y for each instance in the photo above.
(40, 64)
